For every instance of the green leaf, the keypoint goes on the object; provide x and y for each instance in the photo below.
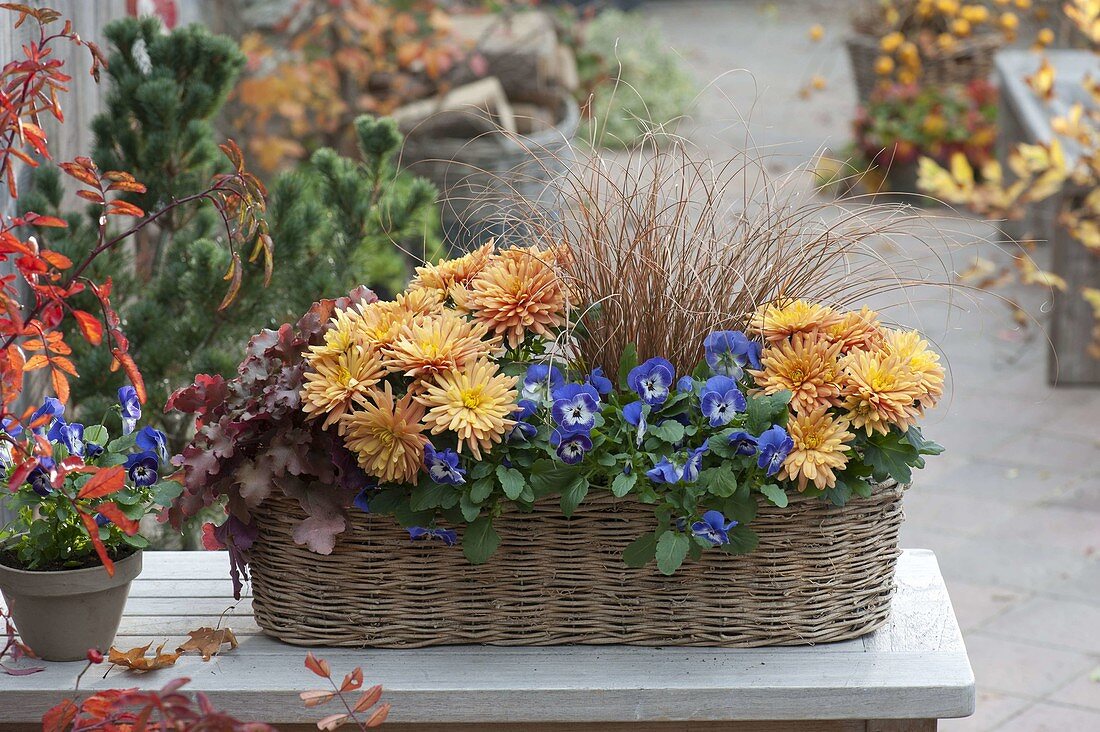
(924, 447)
(762, 411)
(891, 457)
(573, 494)
(742, 541)
(123, 444)
(741, 506)
(669, 430)
(720, 481)
(671, 550)
(548, 476)
(623, 484)
(775, 494)
(641, 551)
(512, 481)
(386, 501)
(840, 494)
(97, 433)
(470, 510)
(480, 540)
(627, 363)
(430, 495)
(481, 489)
(481, 469)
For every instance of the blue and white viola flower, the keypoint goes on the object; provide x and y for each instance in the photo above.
(599, 381)
(131, 408)
(362, 498)
(728, 352)
(571, 447)
(43, 418)
(41, 478)
(634, 414)
(540, 381)
(713, 529)
(652, 380)
(522, 429)
(153, 440)
(142, 468)
(667, 471)
(447, 536)
(721, 400)
(92, 450)
(70, 435)
(575, 407)
(442, 466)
(685, 385)
(742, 443)
(775, 445)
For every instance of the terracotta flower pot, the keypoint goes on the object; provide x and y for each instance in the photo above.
(60, 615)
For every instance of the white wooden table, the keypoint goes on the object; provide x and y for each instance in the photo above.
(901, 678)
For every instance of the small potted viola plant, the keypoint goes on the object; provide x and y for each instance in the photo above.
(77, 496)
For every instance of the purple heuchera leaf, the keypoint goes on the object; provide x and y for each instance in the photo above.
(236, 537)
(318, 533)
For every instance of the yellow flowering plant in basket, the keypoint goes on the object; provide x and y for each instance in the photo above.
(467, 395)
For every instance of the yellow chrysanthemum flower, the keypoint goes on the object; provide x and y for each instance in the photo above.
(380, 323)
(807, 366)
(474, 403)
(914, 353)
(517, 293)
(879, 391)
(776, 321)
(386, 436)
(340, 336)
(432, 345)
(856, 329)
(421, 302)
(820, 447)
(334, 381)
(451, 272)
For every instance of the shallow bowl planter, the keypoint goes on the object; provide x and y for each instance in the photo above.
(821, 573)
(971, 59)
(61, 615)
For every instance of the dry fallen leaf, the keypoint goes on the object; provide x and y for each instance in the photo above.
(136, 660)
(208, 641)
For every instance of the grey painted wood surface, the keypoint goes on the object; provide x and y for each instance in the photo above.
(915, 667)
(1026, 118)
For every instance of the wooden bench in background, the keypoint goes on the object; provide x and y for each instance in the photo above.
(901, 678)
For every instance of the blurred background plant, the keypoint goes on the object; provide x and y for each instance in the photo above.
(336, 222)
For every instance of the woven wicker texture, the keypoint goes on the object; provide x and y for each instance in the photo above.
(971, 59)
(820, 574)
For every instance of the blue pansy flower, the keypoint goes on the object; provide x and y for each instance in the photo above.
(685, 384)
(12, 427)
(599, 382)
(41, 478)
(575, 407)
(447, 536)
(721, 400)
(523, 430)
(652, 380)
(742, 443)
(667, 471)
(443, 466)
(570, 446)
(540, 381)
(153, 440)
(92, 450)
(729, 351)
(131, 408)
(634, 414)
(775, 445)
(714, 528)
(44, 416)
(362, 499)
(101, 520)
(71, 435)
(142, 468)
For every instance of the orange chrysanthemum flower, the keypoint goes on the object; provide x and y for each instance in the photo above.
(452, 272)
(914, 353)
(474, 403)
(386, 436)
(856, 329)
(820, 447)
(806, 365)
(341, 335)
(380, 323)
(518, 293)
(432, 345)
(421, 302)
(776, 322)
(879, 391)
(335, 381)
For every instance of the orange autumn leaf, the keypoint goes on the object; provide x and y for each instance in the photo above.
(60, 385)
(208, 641)
(136, 660)
(318, 666)
(105, 482)
(90, 327)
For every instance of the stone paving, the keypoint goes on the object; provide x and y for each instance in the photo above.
(1012, 510)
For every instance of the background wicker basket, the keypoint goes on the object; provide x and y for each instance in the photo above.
(820, 574)
(971, 59)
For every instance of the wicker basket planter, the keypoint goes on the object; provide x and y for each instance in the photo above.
(970, 60)
(820, 574)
